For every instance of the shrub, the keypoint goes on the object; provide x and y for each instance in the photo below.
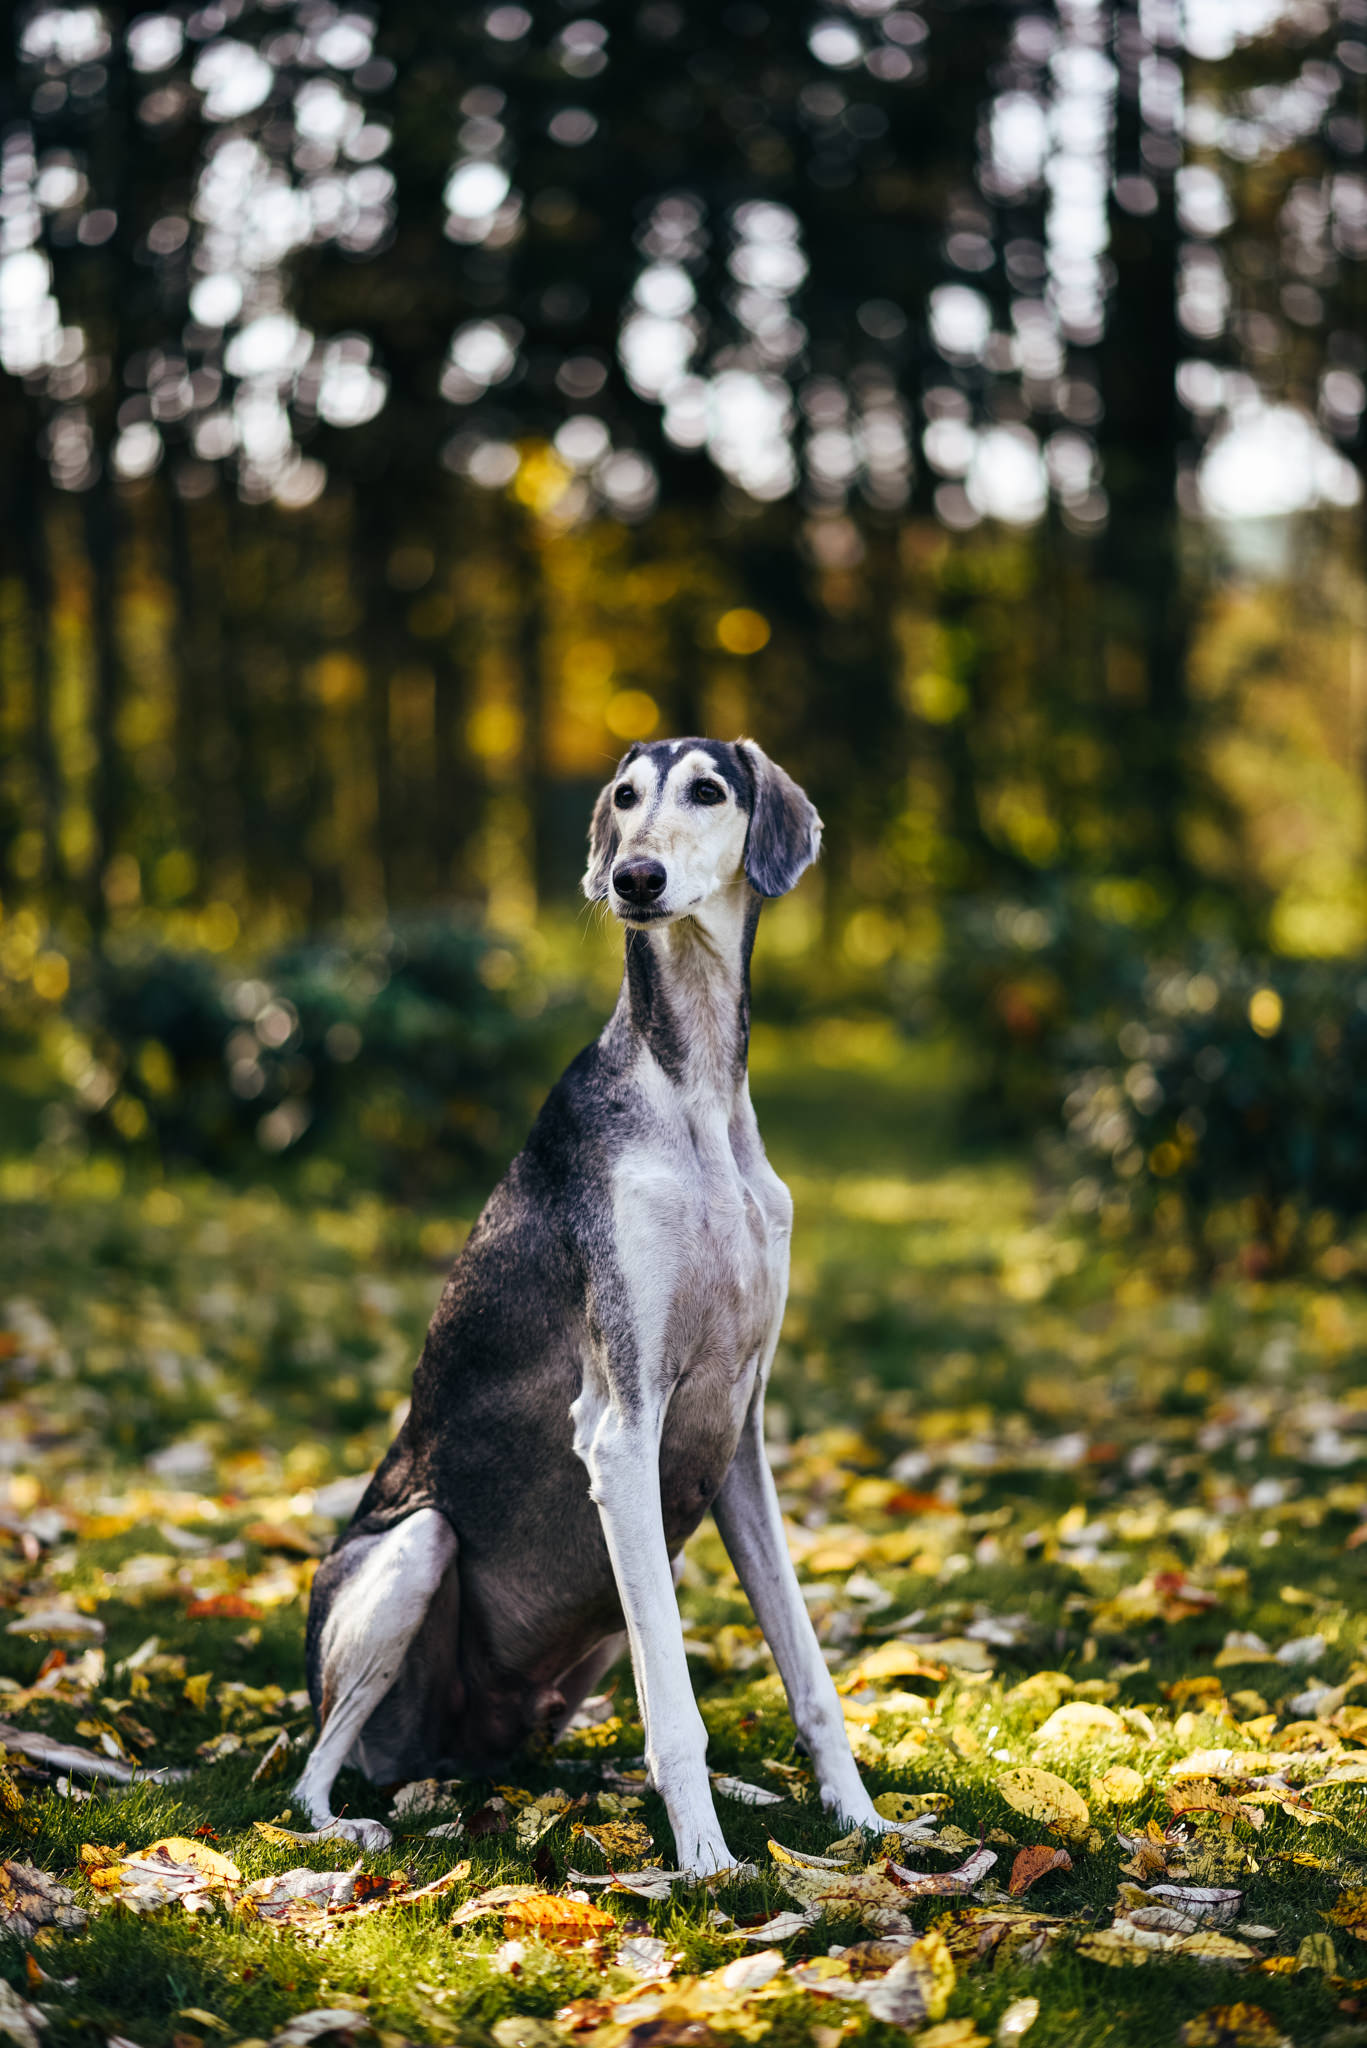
(413, 1057)
(1231, 1082)
(1017, 980)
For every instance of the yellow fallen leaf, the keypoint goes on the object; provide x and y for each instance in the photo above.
(1232, 2026)
(196, 1689)
(1042, 1797)
(1120, 1786)
(97, 1856)
(906, 1806)
(1078, 1722)
(894, 1660)
(185, 1849)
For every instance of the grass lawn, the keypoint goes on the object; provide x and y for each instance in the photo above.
(1054, 1511)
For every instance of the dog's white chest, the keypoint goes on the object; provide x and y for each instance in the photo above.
(701, 1230)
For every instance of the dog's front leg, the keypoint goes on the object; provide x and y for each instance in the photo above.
(748, 1515)
(622, 1456)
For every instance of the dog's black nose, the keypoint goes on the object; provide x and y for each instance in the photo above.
(639, 881)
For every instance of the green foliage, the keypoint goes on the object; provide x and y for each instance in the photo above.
(1017, 978)
(413, 1056)
(1229, 1083)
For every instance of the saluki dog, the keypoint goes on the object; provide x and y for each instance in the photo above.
(593, 1378)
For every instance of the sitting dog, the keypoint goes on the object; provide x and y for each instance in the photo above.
(593, 1378)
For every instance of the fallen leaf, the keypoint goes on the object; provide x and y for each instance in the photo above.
(618, 1840)
(937, 1882)
(424, 1795)
(1119, 1786)
(895, 1660)
(646, 1956)
(1317, 1952)
(1042, 1797)
(649, 1883)
(745, 1794)
(554, 1919)
(31, 1900)
(909, 1806)
(274, 1761)
(19, 2020)
(308, 2026)
(1032, 1864)
(65, 1624)
(917, 1987)
(174, 1871)
(1232, 2026)
(1078, 1722)
(782, 1927)
(1017, 2020)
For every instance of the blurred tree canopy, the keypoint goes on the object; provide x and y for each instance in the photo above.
(403, 409)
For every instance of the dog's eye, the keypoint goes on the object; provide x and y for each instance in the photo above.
(624, 796)
(708, 793)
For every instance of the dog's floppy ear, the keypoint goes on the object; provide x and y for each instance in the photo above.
(602, 846)
(604, 838)
(785, 831)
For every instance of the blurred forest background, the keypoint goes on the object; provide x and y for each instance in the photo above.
(402, 410)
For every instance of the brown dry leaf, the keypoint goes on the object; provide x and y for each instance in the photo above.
(917, 1987)
(1042, 1797)
(31, 1900)
(1202, 1795)
(99, 1856)
(1032, 1864)
(617, 1841)
(305, 1898)
(1232, 2026)
(555, 1919)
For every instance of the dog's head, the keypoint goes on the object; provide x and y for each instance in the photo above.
(684, 820)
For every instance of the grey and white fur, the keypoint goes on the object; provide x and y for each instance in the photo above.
(593, 1379)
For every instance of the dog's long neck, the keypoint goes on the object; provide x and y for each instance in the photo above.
(686, 996)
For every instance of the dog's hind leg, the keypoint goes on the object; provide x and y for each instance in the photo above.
(578, 1682)
(371, 1611)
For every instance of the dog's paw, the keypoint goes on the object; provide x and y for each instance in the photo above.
(366, 1834)
(708, 1856)
(852, 1808)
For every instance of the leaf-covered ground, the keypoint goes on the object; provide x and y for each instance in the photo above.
(1079, 1541)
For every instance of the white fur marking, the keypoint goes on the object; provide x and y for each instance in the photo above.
(374, 1618)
